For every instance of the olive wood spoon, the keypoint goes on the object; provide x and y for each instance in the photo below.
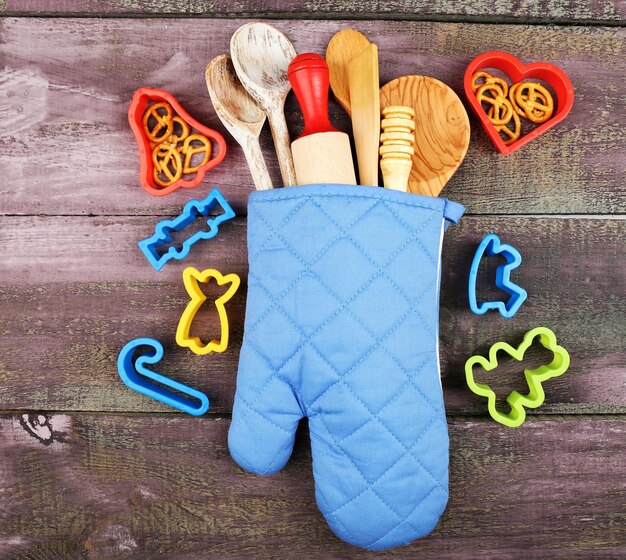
(240, 114)
(261, 55)
(442, 129)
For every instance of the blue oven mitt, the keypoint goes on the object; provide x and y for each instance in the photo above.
(342, 327)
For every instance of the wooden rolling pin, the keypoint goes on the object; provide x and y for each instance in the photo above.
(321, 154)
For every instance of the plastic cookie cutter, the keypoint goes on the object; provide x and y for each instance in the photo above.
(534, 377)
(152, 246)
(517, 72)
(167, 150)
(192, 278)
(138, 377)
(491, 246)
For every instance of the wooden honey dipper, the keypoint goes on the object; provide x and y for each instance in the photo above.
(397, 149)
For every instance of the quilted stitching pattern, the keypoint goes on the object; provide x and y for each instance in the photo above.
(341, 326)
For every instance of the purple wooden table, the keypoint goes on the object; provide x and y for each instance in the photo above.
(89, 469)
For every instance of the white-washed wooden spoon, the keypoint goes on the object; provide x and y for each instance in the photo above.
(261, 55)
(240, 114)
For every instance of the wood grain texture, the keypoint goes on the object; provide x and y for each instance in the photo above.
(601, 11)
(74, 288)
(145, 487)
(69, 303)
(65, 86)
(442, 129)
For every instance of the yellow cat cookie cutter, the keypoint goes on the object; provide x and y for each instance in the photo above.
(192, 278)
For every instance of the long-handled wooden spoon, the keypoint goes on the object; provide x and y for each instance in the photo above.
(240, 114)
(342, 48)
(442, 130)
(261, 55)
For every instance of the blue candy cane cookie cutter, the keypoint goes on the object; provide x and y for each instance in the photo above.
(137, 376)
(491, 246)
(151, 247)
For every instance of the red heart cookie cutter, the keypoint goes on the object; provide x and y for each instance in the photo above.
(518, 72)
(137, 108)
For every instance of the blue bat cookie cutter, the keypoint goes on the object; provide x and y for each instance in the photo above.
(164, 229)
(490, 246)
(137, 376)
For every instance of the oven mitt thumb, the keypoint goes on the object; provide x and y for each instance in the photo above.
(342, 327)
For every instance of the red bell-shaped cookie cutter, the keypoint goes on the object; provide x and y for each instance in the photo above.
(141, 100)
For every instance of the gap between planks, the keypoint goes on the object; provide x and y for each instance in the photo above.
(332, 16)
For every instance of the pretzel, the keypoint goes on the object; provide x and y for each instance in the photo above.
(526, 99)
(514, 134)
(174, 138)
(532, 101)
(163, 122)
(168, 162)
(489, 79)
(189, 151)
(173, 147)
(502, 108)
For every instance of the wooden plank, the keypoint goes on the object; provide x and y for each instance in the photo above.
(70, 302)
(66, 85)
(602, 11)
(144, 487)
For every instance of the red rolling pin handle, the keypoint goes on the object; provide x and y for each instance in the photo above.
(308, 76)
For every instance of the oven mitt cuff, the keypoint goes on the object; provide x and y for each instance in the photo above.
(342, 327)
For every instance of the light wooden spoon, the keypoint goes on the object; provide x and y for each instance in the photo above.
(240, 114)
(442, 129)
(261, 55)
(342, 48)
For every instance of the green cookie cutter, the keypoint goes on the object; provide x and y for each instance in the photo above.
(534, 377)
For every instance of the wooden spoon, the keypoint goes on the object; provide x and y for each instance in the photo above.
(240, 114)
(442, 130)
(342, 48)
(261, 55)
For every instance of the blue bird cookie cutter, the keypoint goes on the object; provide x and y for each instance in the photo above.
(151, 247)
(491, 246)
(137, 376)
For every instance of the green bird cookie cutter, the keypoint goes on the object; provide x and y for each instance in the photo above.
(534, 377)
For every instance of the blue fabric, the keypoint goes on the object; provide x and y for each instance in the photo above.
(342, 327)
